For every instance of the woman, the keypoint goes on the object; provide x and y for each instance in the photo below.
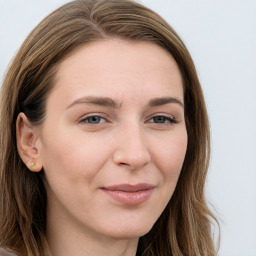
(104, 138)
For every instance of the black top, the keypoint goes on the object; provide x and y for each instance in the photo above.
(4, 252)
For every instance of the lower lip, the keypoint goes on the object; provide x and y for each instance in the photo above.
(129, 198)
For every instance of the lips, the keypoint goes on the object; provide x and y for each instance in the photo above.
(130, 194)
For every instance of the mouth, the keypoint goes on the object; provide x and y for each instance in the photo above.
(130, 194)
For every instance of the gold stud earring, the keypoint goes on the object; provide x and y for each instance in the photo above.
(31, 165)
(34, 166)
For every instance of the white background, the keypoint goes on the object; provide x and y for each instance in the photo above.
(221, 37)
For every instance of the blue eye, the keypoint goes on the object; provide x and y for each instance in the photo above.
(93, 120)
(162, 120)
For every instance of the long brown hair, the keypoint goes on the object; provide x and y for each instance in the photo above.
(184, 228)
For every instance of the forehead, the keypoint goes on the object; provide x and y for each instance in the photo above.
(118, 67)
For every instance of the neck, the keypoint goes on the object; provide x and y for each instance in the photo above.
(67, 239)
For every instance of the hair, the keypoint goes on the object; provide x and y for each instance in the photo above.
(184, 228)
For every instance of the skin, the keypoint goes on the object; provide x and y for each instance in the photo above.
(133, 142)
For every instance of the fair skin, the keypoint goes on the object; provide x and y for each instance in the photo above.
(115, 117)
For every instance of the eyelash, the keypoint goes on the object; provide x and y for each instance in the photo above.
(85, 120)
(170, 119)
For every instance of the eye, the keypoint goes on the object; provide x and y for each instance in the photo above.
(162, 119)
(93, 120)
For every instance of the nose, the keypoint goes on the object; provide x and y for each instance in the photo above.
(132, 149)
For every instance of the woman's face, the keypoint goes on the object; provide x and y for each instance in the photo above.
(114, 138)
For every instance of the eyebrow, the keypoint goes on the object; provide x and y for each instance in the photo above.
(101, 101)
(109, 102)
(164, 100)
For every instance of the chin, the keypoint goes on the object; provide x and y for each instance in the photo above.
(131, 231)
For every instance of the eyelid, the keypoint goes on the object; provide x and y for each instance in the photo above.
(101, 115)
(169, 117)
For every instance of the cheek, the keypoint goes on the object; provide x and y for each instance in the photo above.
(72, 158)
(171, 156)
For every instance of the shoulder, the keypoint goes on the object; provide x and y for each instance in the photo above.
(4, 252)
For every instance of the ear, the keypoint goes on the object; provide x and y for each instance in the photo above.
(27, 143)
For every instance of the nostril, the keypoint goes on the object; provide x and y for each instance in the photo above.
(123, 164)
(134, 155)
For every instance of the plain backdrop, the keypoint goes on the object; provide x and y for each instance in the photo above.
(221, 37)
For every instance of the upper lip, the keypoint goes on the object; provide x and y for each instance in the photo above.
(129, 187)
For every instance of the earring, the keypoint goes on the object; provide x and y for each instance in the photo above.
(34, 166)
(31, 166)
